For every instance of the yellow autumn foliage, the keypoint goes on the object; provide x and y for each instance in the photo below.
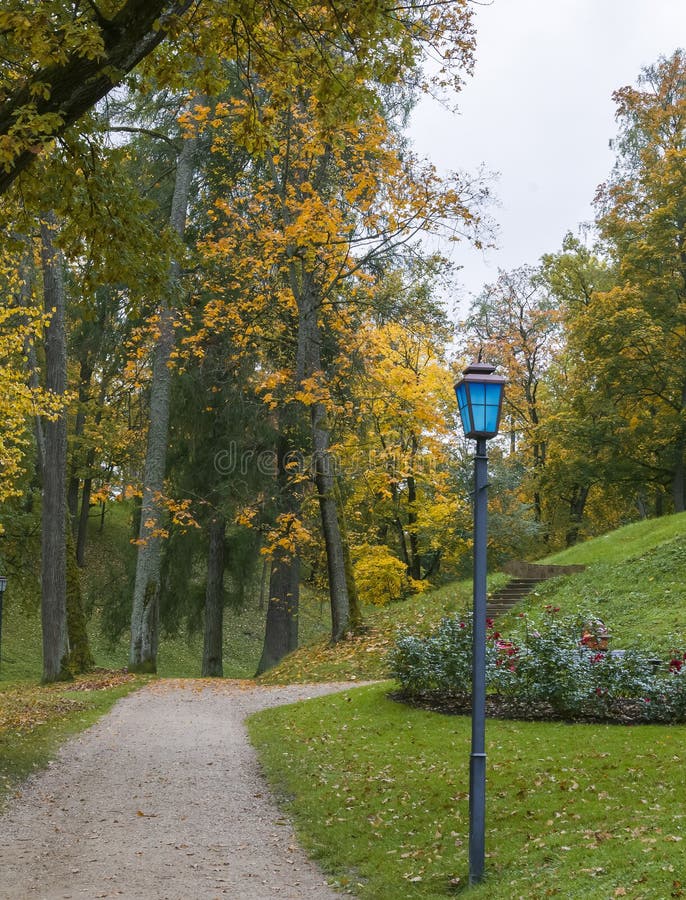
(381, 577)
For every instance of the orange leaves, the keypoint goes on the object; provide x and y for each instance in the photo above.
(24, 708)
(288, 536)
(178, 511)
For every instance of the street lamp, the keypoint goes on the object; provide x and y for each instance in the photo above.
(3, 585)
(480, 400)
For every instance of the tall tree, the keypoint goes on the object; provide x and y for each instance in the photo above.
(516, 324)
(581, 428)
(145, 611)
(640, 324)
(308, 229)
(54, 511)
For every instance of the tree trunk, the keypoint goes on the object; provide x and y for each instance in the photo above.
(281, 634)
(80, 656)
(335, 556)
(414, 570)
(281, 629)
(212, 659)
(73, 502)
(145, 611)
(356, 620)
(659, 502)
(85, 376)
(54, 514)
(309, 364)
(577, 504)
(679, 477)
(679, 484)
(84, 514)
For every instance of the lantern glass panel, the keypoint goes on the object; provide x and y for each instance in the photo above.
(493, 394)
(463, 406)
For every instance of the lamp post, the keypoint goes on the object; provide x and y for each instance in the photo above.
(3, 585)
(480, 400)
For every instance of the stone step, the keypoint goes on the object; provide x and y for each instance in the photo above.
(525, 578)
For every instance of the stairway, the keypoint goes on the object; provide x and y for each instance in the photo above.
(526, 578)
(505, 598)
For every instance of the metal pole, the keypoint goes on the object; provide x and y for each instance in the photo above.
(477, 760)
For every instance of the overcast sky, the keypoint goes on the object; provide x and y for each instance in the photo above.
(539, 111)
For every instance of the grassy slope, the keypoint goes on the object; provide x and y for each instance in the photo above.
(634, 581)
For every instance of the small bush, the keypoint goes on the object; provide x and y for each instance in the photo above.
(554, 667)
(381, 577)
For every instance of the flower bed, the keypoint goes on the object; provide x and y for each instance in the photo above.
(561, 670)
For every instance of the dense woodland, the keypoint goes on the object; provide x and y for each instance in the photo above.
(218, 310)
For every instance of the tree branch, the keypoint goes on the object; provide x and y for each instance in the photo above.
(77, 84)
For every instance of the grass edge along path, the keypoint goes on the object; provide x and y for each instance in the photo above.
(36, 719)
(379, 795)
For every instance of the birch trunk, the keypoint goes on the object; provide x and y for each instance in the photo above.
(146, 594)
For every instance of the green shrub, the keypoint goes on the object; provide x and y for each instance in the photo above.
(441, 662)
(556, 666)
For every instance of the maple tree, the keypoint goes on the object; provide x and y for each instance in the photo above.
(405, 516)
(305, 235)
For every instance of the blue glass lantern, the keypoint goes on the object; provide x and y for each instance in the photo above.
(480, 399)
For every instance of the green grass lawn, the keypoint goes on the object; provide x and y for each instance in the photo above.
(379, 795)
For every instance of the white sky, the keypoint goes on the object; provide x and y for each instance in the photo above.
(539, 111)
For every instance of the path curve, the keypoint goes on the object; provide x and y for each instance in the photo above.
(162, 799)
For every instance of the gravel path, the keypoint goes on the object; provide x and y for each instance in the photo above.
(160, 800)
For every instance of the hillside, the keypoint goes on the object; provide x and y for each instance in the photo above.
(635, 581)
(106, 585)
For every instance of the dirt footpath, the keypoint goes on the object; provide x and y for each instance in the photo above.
(161, 800)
